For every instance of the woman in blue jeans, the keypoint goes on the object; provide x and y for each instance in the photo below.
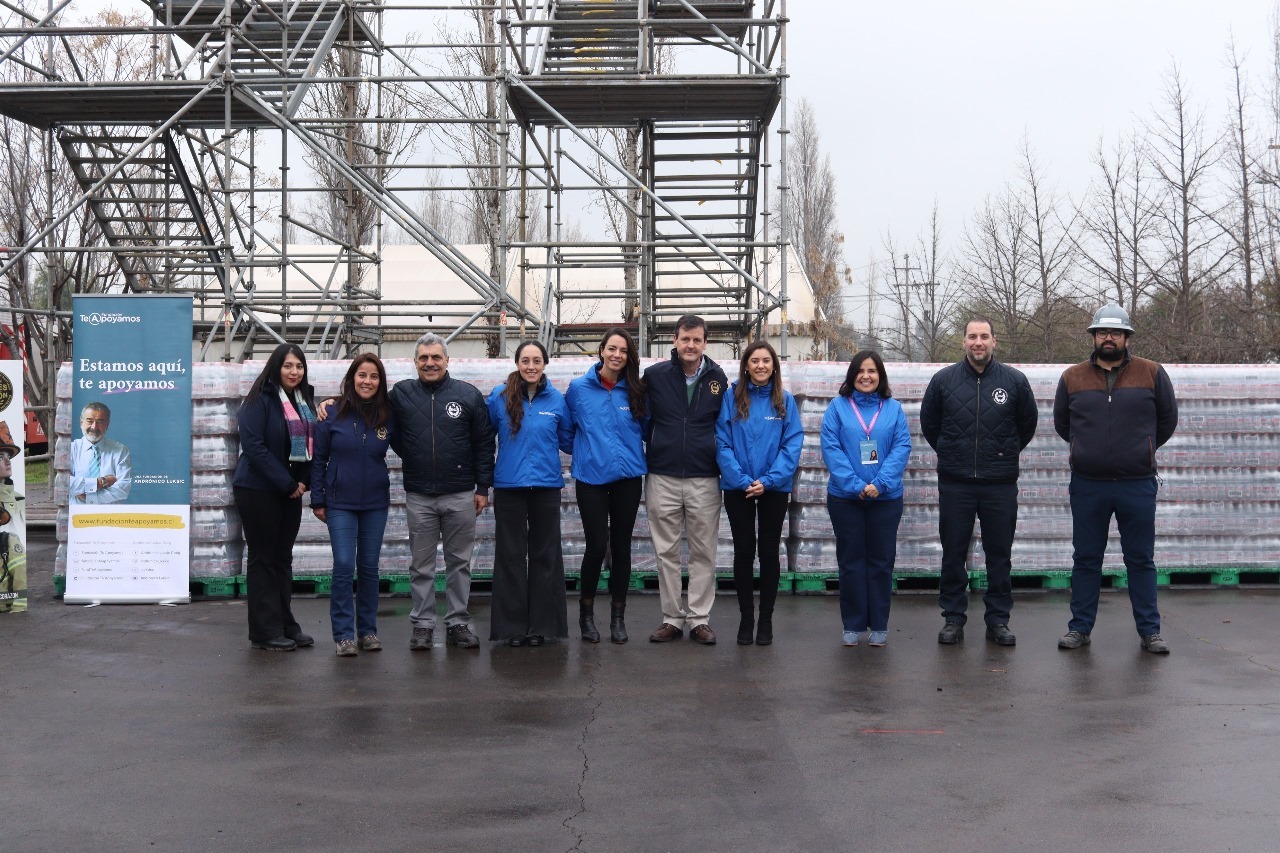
(865, 444)
(351, 493)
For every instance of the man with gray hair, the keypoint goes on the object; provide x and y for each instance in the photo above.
(446, 441)
(101, 468)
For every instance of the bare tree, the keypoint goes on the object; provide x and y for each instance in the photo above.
(1116, 223)
(1191, 255)
(940, 300)
(811, 214)
(1053, 258)
(996, 267)
(1242, 213)
(343, 213)
(924, 300)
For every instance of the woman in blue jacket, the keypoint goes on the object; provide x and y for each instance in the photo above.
(351, 493)
(533, 426)
(865, 444)
(609, 408)
(758, 441)
(277, 431)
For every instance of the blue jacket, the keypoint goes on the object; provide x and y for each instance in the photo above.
(764, 447)
(264, 447)
(349, 470)
(531, 457)
(681, 436)
(608, 443)
(841, 435)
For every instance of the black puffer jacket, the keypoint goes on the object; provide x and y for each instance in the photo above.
(978, 423)
(444, 436)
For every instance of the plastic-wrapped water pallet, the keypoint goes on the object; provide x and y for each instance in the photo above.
(1218, 502)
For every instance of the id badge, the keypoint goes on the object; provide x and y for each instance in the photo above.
(870, 455)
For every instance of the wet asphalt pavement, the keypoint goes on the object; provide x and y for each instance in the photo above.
(140, 728)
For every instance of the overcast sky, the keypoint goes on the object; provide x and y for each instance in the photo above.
(928, 99)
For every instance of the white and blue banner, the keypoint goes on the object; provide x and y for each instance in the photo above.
(129, 500)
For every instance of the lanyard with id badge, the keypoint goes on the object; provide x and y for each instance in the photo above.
(867, 451)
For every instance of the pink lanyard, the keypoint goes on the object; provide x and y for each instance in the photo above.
(865, 428)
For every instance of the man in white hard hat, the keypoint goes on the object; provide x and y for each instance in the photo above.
(1114, 410)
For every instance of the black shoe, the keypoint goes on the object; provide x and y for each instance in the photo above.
(951, 633)
(421, 639)
(746, 628)
(302, 640)
(587, 620)
(764, 629)
(461, 636)
(275, 644)
(534, 639)
(1002, 635)
(515, 642)
(617, 627)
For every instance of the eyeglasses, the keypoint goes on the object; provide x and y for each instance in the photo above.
(1110, 333)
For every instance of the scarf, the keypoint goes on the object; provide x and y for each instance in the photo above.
(301, 422)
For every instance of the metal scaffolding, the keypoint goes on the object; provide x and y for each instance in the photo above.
(524, 116)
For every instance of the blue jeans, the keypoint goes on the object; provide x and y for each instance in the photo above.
(866, 549)
(356, 539)
(1133, 503)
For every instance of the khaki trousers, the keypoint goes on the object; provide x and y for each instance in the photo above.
(690, 506)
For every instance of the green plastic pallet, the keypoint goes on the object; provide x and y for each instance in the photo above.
(214, 587)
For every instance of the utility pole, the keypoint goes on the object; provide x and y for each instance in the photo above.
(905, 287)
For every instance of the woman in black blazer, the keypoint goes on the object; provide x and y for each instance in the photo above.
(277, 426)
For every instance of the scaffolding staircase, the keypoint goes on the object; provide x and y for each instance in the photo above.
(702, 145)
(147, 206)
(275, 47)
(707, 176)
(592, 37)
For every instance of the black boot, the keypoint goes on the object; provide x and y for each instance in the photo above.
(587, 620)
(617, 627)
(764, 628)
(745, 626)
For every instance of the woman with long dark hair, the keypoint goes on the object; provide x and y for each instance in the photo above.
(609, 408)
(277, 433)
(351, 494)
(533, 426)
(758, 442)
(865, 444)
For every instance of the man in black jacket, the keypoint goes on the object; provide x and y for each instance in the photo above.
(977, 415)
(682, 490)
(445, 439)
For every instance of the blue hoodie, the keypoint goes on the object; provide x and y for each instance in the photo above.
(841, 435)
(349, 468)
(608, 443)
(764, 447)
(531, 457)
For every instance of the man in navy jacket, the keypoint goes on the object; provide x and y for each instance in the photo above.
(682, 490)
(977, 415)
(446, 442)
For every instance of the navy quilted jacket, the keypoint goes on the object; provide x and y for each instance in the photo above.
(443, 436)
(978, 423)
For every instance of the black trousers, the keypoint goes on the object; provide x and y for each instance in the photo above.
(528, 565)
(756, 521)
(270, 522)
(608, 520)
(996, 506)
